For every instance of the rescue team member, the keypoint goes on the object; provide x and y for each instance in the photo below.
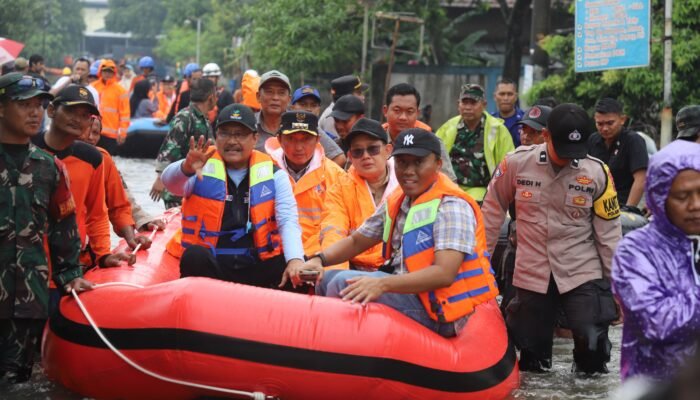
(71, 113)
(212, 72)
(475, 140)
(239, 217)
(38, 227)
(568, 228)
(274, 96)
(116, 202)
(165, 97)
(114, 107)
(297, 151)
(357, 195)
(531, 127)
(438, 269)
(147, 66)
(401, 113)
(623, 150)
(346, 111)
(688, 123)
(656, 269)
(506, 97)
(341, 86)
(190, 122)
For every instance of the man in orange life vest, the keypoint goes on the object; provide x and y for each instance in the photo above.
(298, 151)
(239, 217)
(438, 268)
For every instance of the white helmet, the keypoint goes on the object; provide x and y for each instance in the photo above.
(211, 69)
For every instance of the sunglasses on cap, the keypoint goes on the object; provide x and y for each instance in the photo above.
(23, 85)
(371, 150)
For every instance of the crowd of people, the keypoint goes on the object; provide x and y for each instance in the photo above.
(276, 193)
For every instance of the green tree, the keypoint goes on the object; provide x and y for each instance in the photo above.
(51, 28)
(309, 37)
(640, 89)
(143, 18)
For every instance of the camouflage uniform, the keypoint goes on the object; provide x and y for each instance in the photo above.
(37, 213)
(468, 158)
(188, 122)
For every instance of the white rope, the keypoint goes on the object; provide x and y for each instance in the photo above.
(252, 395)
(150, 237)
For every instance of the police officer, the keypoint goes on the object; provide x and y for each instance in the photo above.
(531, 126)
(36, 205)
(688, 123)
(568, 228)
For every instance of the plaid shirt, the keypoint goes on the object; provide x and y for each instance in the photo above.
(453, 229)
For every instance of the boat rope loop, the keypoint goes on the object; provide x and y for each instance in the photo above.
(251, 395)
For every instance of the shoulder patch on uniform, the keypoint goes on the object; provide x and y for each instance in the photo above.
(501, 169)
(606, 205)
(87, 153)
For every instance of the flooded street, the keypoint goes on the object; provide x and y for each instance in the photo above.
(560, 383)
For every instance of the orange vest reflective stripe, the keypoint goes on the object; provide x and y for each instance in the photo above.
(474, 283)
(203, 210)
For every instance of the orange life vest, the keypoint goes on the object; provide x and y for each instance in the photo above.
(203, 210)
(474, 283)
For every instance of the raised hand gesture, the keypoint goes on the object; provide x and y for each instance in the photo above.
(197, 156)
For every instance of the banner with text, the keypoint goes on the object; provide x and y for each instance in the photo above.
(612, 34)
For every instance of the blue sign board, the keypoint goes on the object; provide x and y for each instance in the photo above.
(612, 34)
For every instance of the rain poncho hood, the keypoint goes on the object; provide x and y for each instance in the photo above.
(107, 63)
(654, 279)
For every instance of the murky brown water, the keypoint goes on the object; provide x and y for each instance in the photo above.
(560, 383)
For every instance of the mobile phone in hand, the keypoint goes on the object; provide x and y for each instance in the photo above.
(308, 275)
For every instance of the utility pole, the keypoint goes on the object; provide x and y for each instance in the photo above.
(199, 32)
(365, 26)
(667, 112)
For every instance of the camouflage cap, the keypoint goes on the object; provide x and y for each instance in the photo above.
(688, 121)
(471, 91)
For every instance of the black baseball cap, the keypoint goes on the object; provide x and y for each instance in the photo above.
(688, 122)
(345, 85)
(168, 78)
(417, 142)
(18, 86)
(238, 113)
(299, 121)
(536, 117)
(570, 128)
(73, 95)
(369, 127)
(347, 106)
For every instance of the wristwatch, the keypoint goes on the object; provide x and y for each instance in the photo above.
(321, 257)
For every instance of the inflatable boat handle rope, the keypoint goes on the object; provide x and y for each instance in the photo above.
(251, 395)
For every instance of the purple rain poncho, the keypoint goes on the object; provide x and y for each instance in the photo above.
(654, 279)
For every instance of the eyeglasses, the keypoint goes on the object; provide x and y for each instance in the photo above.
(371, 150)
(239, 136)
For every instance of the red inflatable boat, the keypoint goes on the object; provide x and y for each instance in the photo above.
(204, 337)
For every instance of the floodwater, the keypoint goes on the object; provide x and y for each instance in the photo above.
(559, 383)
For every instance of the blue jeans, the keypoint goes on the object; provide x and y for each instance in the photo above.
(334, 281)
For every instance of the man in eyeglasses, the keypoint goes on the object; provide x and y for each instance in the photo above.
(239, 217)
(361, 192)
(37, 227)
(298, 151)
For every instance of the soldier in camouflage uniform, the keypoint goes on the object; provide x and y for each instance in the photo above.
(189, 122)
(36, 208)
